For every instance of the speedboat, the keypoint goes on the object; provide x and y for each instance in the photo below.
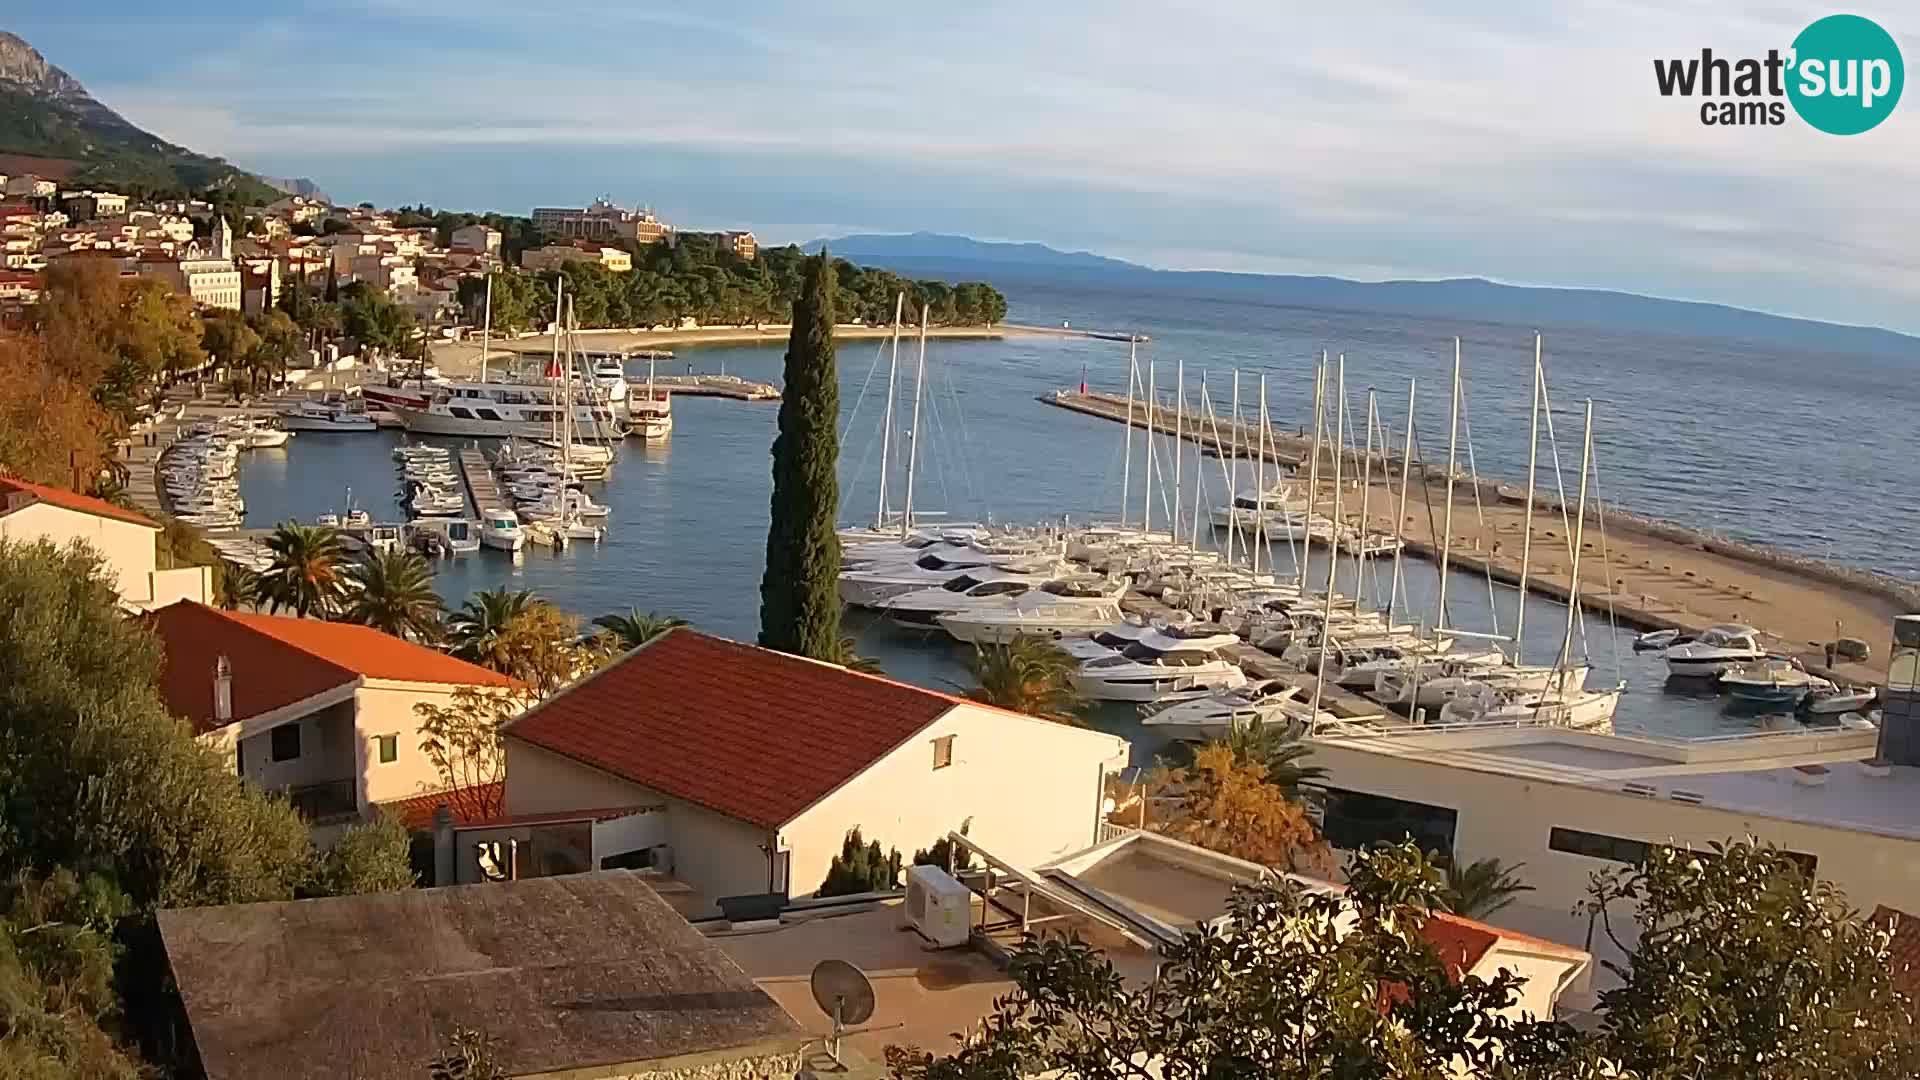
(985, 587)
(1771, 681)
(1267, 702)
(500, 530)
(1655, 640)
(1714, 651)
(1064, 607)
(1167, 660)
(1839, 699)
(1108, 642)
(450, 535)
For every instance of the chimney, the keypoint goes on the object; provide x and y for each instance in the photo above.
(443, 869)
(1900, 709)
(222, 691)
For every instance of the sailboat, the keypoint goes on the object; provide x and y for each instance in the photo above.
(650, 415)
(572, 522)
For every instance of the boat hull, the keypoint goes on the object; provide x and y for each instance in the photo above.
(427, 422)
(302, 423)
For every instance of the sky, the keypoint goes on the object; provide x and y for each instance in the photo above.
(1509, 139)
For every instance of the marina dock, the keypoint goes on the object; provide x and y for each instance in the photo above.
(1214, 436)
(482, 488)
(727, 386)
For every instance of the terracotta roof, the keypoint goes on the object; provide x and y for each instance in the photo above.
(1903, 952)
(416, 812)
(751, 733)
(278, 660)
(72, 500)
(1461, 942)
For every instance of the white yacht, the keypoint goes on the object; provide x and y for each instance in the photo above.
(1167, 660)
(1110, 641)
(934, 567)
(1268, 702)
(1062, 608)
(1587, 710)
(985, 586)
(1443, 680)
(335, 413)
(1714, 651)
(500, 530)
(493, 410)
(444, 535)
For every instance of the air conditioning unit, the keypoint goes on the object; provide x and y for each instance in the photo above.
(938, 907)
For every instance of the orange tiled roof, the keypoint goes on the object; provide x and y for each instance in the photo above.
(1461, 942)
(73, 500)
(416, 812)
(277, 660)
(753, 734)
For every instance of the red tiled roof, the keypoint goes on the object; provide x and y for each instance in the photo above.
(1460, 942)
(416, 813)
(278, 660)
(1903, 952)
(73, 500)
(751, 733)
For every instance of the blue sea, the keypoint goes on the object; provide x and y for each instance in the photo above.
(1805, 451)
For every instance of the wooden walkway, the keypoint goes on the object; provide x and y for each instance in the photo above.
(726, 386)
(482, 487)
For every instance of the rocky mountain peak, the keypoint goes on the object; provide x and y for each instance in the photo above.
(22, 65)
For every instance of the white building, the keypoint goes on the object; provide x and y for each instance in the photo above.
(1566, 804)
(209, 276)
(126, 539)
(556, 256)
(478, 238)
(758, 763)
(322, 711)
(29, 186)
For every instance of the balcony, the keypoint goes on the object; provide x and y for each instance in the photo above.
(327, 803)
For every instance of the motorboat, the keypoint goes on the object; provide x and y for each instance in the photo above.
(1266, 702)
(1110, 641)
(1655, 640)
(1357, 666)
(447, 535)
(1165, 661)
(986, 586)
(375, 537)
(1439, 682)
(334, 413)
(264, 436)
(1062, 608)
(1714, 651)
(1771, 680)
(500, 530)
(1839, 699)
(428, 501)
(934, 568)
(573, 527)
(1587, 710)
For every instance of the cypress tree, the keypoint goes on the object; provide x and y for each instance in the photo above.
(799, 598)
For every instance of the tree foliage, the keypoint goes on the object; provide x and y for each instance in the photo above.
(462, 740)
(635, 628)
(370, 857)
(1225, 804)
(518, 634)
(1029, 674)
(1296, 984)
(392, 591)
(1747, 967)
(861, 867)
(308, 571)
(57, 1001)
(50, 425)
(799, 593)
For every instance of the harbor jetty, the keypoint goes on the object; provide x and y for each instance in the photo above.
(1642, 572)
(482, 487)
(727, 386)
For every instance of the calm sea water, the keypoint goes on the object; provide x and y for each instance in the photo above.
(1749, 441)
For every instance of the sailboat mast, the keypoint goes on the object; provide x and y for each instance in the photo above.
(1259, 538)
(1453, 445)
(559, 317)
(1366, 492)
(486, 327)
(1233, 471)
(1333, 555)
(1313, 466)
(1526, 528)
(913, 435)
(886, 425)
(1126, 462)
(1179, 416)
(1579, 530)
(1400, 514)
(1146, 475)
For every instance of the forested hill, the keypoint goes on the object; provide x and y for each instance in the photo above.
(698, 278)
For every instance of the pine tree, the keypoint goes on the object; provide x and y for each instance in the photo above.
(799, 599)
(333, 284)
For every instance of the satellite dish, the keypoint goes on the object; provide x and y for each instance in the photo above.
(843, 993)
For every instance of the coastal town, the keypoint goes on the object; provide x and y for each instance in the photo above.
(412, 668)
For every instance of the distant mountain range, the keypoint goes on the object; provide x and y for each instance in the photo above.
(50, 125)
(1471, 299)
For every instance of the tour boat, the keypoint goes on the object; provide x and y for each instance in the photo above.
(1771, 681)
(333, 414)
(500, 530)
(1714, 651)
(501, 410)
(1065, 607)
(1167, 660)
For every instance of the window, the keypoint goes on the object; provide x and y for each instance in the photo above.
(1355, 821)
(1598, 846)
(389, 746)
(286, 742)
(943, 751)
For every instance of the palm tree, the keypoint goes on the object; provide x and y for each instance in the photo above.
(1029, 675)
(306, 571)
(853, 661)
(636, 628)
(239, 587)
(1481, 888)
(474, 630)
(393, 592)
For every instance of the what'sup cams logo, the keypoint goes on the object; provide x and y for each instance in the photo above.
(1843, 75)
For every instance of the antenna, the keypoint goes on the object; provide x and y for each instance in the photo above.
(843, 993)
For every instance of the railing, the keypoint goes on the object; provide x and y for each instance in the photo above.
(1109, 831)
(318, 803)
